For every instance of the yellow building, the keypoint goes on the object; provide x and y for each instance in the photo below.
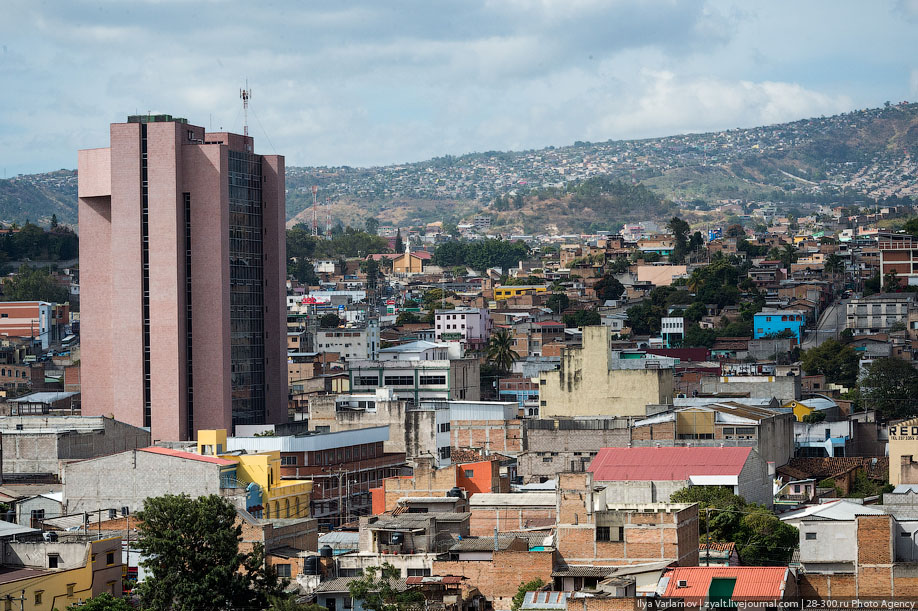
(805, 407)
(280, 498)
(506, 292)
(408, 263)
(55, 575)
(594, 380)
(903, 441)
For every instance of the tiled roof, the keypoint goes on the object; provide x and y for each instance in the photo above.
(188, 456)
(671, 464)
(720, 547)
(752, 582)
(582, 571)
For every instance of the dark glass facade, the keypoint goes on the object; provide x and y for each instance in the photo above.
(247, 308)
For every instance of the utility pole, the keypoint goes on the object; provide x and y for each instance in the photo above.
(707, 536)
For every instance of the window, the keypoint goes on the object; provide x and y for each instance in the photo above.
(433, 380)
(288, 460)
(283, 570)
(70, 587)
(399, 380)
(367, 380)
(469, 473)
(38, 596)
(53, 561)
(546, 459)
(810, 536)
(444, 453)
(109, 558)
(796, 488)
(602, 533)
(38, 514)
(418, 572)
(443, 428)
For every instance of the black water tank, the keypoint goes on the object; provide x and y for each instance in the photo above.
(455, 492)
(326, 551)
(312, 565)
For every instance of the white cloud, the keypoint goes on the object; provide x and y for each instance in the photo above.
(366, 82)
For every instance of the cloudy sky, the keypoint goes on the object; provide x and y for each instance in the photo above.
(370, 82)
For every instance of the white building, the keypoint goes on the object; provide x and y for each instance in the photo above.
(471, 326)
(672, 330)
(350, 342)
(419, 371)
(877, 313)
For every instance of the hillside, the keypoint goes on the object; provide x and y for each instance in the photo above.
(37, 197)
(870, 153)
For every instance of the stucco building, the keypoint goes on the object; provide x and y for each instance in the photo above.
(595, 380)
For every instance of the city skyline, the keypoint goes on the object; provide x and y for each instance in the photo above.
(366, 85)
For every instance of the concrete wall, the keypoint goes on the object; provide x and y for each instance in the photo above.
(785, 388)
(567, 441)
(126, 479)
(585, 386)
(38, 448)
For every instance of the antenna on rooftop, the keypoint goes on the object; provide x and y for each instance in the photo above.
(245, 94)
(315, 211)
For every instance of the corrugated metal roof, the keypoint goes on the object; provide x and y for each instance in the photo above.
(545, 600)
(659, 464)
(752, 582)
(188, 456)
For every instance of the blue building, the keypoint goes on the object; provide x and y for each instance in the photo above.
(770, 322)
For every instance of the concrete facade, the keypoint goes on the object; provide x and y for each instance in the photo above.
(591, 381)
(41, 444)
(552, 446)
(89, 485)
(172, 243)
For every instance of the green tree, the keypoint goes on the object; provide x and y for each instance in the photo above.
(529, 586)
(304, 272)
(581, 318)
(377, 590)
(891, 282)
(608, 287)
(839, 363)
(54, 223)
(192, 557)
(329, 321)
(558, 302)
(372, 225)
(288, 603)
(735, 231)
(679, 229)
(102, 602)
(34, 284)
(500, 350)
(761, 538)
(911, 226)
(890, 387)
(399, 245)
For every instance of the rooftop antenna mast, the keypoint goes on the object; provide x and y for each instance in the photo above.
(327, 220)
(245, 94)
(315, 211)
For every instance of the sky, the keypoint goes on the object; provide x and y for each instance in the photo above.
(377, 82)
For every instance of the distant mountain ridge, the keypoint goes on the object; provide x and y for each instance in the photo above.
(870, 153)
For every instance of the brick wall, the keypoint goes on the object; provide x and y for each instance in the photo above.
(488, 435)
(603, 604)
(485, 519)
(499, 579)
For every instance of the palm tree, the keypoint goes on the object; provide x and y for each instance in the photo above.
(500, 350)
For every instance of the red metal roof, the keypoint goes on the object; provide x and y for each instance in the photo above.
(657, 464)
(188, 456)
(752, 582)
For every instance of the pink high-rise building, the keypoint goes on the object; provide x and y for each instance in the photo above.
(182, 279)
